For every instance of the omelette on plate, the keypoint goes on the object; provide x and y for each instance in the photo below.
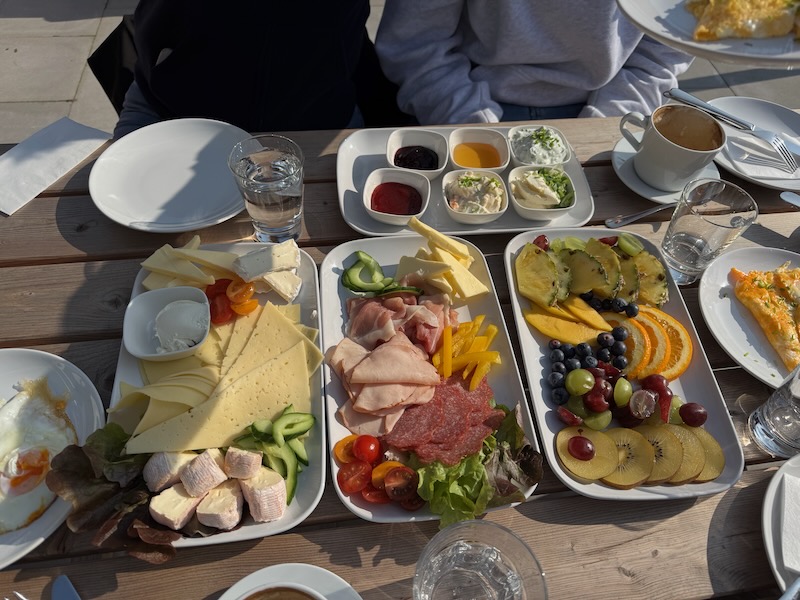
(772, 298)
(718, 19)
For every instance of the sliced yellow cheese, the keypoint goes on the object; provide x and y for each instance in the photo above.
(224, 332)
(307, 331)
(261, 394)
(290, 311)
(156, 281)
(192, 244)
(162, 261)
(214, 259)
(438, 239)
(464, 283)
(438, 281)
(242, 329)
(152, 371)
(423, 267)
(210, 352)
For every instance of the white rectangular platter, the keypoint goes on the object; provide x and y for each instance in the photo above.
(696, 384)
(365, 150)
(311, 482)
(504, 379)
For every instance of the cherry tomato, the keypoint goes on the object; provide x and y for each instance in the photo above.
(239, 291)
(343, 449)
(221, 309)
(379, 472)
(401, 483)
(217, 288)
(415, 502)
(374, 495)
(367, 448)
(244, 308)
(354, 476)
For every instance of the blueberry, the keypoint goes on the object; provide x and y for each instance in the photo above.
(568, 350)
(556, 355)
(558, 367)
(572, 364)
(587, 296)
(560, 395)
(620, 334)
(604, 354)
(606, 304)
(620, 362)
(583, 349)
(605, 339)
(556, 379)
(619, 348)
(632, 310)
(596, 304)
(553, 344)
(618, 305)
(589, 362)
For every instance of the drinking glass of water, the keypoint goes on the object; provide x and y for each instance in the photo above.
(775, 425)
(478, 559)
(710, 214)
(269, 172)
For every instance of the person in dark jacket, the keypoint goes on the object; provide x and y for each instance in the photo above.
(262, 65)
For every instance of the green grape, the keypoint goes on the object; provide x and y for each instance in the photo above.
(576, 406)
(598, 421)
(629, 244)
(674, 408)
(622, 392)
(579, 381)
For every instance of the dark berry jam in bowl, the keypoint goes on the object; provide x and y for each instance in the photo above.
(393, 196)
(420, 151)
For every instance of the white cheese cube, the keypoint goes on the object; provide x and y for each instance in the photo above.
(265, 495)
(163, 469)
(203, 473)
(242, 464)
(173, 507)
(222, 507)
(280, 257)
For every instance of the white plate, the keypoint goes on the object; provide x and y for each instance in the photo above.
(318, 579)
(671, 24)
(311, 481)
(170, 176)
(768, 115)
(621, 160)
(84, 409)
(504, 379)
(697, 383)
(731, 324)
(365, 150)
(771, 522)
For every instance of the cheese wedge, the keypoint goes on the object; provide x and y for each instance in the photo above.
(438, 281)
(439, 240)
(260, 394)
(214, 259)
(162, 261)
(464, 283)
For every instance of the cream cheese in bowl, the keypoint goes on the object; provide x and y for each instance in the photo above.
(538, 146)
(180, 325)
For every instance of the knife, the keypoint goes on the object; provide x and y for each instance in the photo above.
(791, 198)
(63, 589)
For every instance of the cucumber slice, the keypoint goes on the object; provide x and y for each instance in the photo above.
(629, 244)
(290, 425)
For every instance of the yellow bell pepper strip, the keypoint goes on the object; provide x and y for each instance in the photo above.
(447, 352)
(489, 357)
(481, 343)
(464, 343)
(480, 372)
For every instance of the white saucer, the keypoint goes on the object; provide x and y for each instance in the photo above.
(623, 166)
(771, 522)
(320, 580)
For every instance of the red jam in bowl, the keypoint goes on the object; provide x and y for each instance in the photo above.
(396, 199)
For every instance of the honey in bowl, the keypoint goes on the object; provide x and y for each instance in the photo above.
(476, 155)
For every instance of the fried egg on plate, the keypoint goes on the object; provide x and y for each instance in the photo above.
(34, 427)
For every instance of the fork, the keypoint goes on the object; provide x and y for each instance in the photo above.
(768, 136)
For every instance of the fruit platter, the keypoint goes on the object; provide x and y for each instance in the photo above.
(373, 455)
(624, 397)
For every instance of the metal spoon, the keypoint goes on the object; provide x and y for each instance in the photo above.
(622, 220)
(791, 198)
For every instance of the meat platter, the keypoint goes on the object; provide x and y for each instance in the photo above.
(504, 379)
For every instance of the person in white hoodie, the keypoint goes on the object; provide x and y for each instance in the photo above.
(485, 61)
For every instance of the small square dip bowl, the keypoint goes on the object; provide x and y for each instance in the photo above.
(477, 136)
(533, 213)
(406, 177)
(408, 138)
(529, 146)
(473, 218)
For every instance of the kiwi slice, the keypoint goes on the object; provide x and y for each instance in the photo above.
(668, 452)
(636, 459)
(715, 457)
(694, 456)
(603, 462)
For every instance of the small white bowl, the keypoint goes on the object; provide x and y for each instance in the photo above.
(517, 162)
(402, 138)
(138, 328)
(536, 214)
(473, 218)
(388, 175)
(300, 591)
(480, 135)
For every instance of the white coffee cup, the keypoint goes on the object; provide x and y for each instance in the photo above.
(677, 143)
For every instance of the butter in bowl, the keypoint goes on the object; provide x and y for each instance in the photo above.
(541, 193)
(166, 324)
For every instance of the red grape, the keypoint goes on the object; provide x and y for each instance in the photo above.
(568, 417)
(643, 403)
(542, 242)
(693, 414)
(581, 447)
(610, 240)
(595, 401)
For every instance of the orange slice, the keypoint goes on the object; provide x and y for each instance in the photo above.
(680, 355)
(638, 343)
(660, 345)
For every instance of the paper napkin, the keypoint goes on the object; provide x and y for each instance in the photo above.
(36, 163)
(742, 146)
(790, 523)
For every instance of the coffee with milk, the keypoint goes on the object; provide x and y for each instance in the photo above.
(688, 128)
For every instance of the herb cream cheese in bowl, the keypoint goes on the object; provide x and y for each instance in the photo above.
(474, 197)
(538, 146)
(541, 193)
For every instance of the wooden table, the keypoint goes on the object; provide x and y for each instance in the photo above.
(66, 273)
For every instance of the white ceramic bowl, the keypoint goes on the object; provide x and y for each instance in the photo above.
(138, 328)
(406, 176)
(287, 589)
(473, 218)
(401, 138)
(517, 162)
(480, 135)
(536, 214)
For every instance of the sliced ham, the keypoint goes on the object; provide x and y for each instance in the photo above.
(385, 398)
(366, 424)
(392, 362)
(370, 323)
